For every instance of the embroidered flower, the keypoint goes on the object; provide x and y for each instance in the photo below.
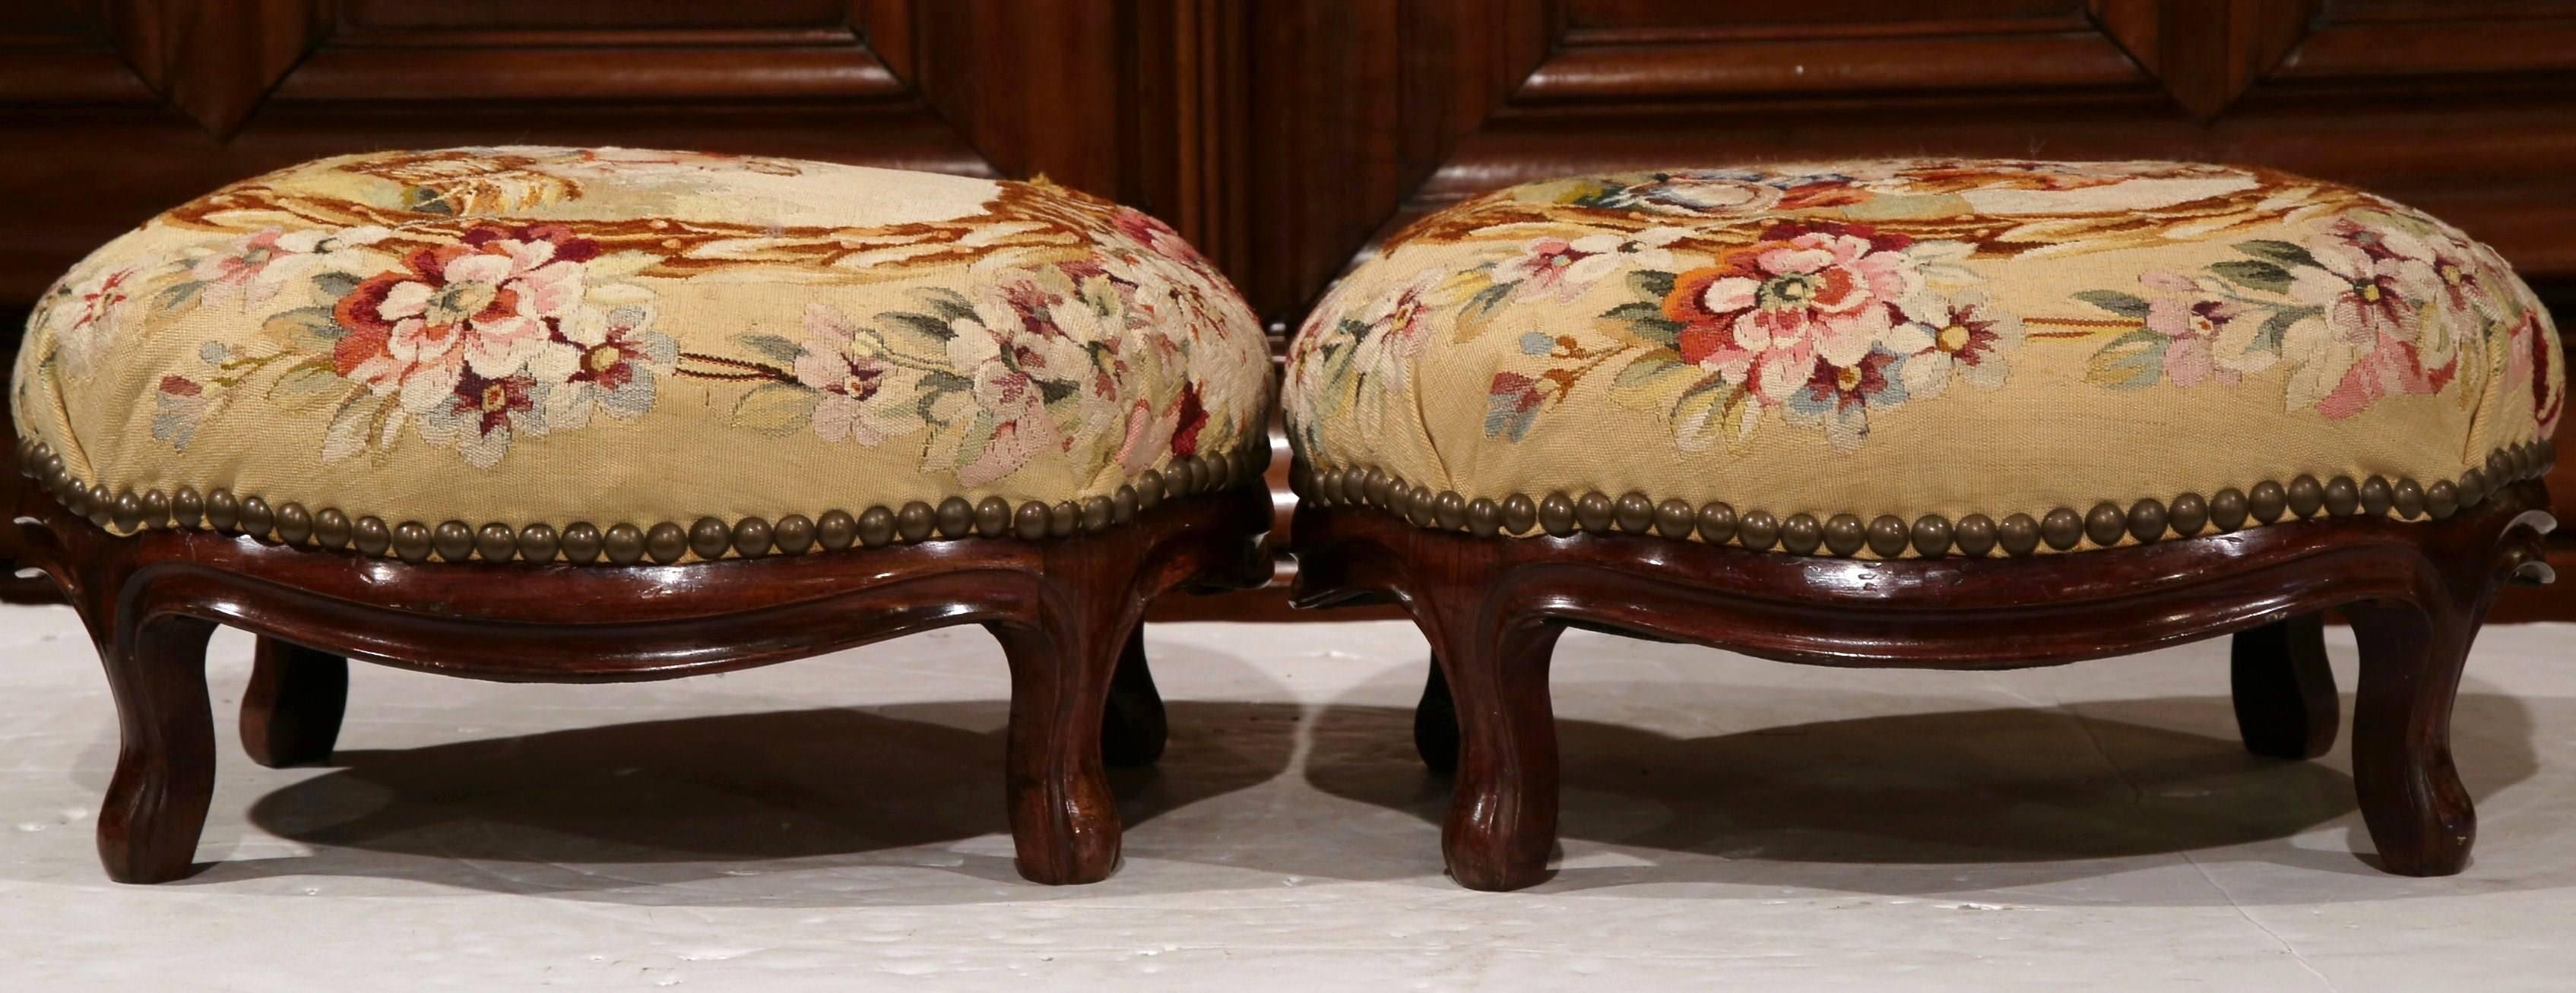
(1840, 396)
(1770, 312)
(489, 306)
(2202, 326)
(2371, 290)
(87, 317)
(1564, 269)
(865, 397)
(1965, 337)
(1512, 403)
(251, 269)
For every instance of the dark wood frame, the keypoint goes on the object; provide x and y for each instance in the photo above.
(1067, 612)
(2415, 593)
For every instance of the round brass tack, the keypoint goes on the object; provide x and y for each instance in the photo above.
(1030, 522)
(156, 509)
(876, 527)
(915, 521)
(2473, 488)
(2409, 498)
(2306, 496)
(1888, 536)
(666, 542)
(1556, 514)
(2442, 499)
(993, 514)
(2267, 500)
(1674, 519)
(1932, 534)
(223, 510)
(1399, 498)
(2147, 519)
(1355, 487)
(2188, 514)
(1450, 510)
(710, 537)
(1063, 518)
(1324, 487)
(1190, 472)
(1975, 535)
(2342, 496)
(837, 530)
(496, 542)
(956, 517)
(411, 542)
(623, 544)
(2106, 524)
(1801, 534)
(294, 523)
(1634, 513)
(101, 508)
(1122, 506)
(2377, 496)
(1149, 490)
(792, 535)
(582, 543)
(1845, 534)
(1595, 511)
(2497, 469)
(539, 543)
(1484, 518)
(126, 511)
(1716, 522)
(187, 508)
(332, 529)
(1520, 514)
(1757, 530)
(452, 540)
(2062, 528)
(753, 537)
(1095, 514)
(1421, 508)
(371, 536)
(256, 519)
(2227, 509)
(2018, 535)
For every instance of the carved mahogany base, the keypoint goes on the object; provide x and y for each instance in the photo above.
(1067, 612)
(1492, 608)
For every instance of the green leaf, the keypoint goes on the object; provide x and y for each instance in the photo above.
(335, 284)
(775, 408)
(2131, 361)
(947, 303)
(179, 295)
(307, 328)
(1651, 284)
(310, 381)
(1646, 321)
(917, 335)
(775, 348)
(2115, 302)
(2253, 275)
(2279, 252)
(1651, 370)
(1711, 411)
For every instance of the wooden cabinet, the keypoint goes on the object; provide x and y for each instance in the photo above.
(1283, 135)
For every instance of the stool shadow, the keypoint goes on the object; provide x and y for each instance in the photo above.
(1911, 804)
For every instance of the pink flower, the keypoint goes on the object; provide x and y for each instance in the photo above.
(254, 267)
(1567, 268)
(1769, 312)
(490, 306)
(2195, 320)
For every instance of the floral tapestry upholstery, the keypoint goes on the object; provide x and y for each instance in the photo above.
(1910, 337)
(556, 335)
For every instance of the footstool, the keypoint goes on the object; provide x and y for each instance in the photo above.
(590, 415)
(1932, 414)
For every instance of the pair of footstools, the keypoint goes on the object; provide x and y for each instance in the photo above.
(605, 414)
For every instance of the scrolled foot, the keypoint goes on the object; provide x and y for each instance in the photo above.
(2420, 816)
(165, 763)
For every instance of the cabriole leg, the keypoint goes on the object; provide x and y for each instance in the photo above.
(2285, 692)
(290, 713)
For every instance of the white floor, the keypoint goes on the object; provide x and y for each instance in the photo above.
(835, 824)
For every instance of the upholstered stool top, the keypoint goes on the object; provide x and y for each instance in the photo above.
(554, 337)
(1886, 357)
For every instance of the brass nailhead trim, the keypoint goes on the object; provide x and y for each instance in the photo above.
(668, 542)
(2105, 524)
